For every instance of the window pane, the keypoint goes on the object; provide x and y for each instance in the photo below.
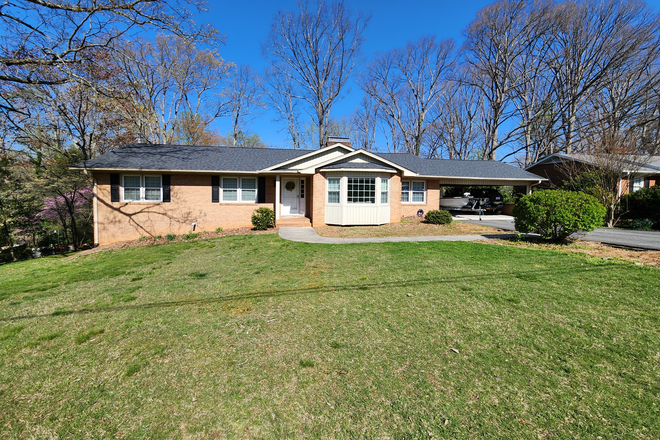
(333, 196)
(131, 181)
(249, 184)
(152, 181)
(248, 195)
(418, 197)
(229, 195)
(230, 182)
(131, 193)
(405, 186)
(418, 186)
(333, 184)
(152, 194)
(405, 196)
(361, 190)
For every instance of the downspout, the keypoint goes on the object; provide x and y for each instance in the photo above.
(95, 212)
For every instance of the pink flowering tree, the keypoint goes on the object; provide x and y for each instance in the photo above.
(71, 211)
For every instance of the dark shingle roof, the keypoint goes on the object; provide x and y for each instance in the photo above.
(199, 158)
(487, 169)
(189, 158)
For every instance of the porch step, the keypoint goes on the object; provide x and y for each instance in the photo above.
(294, 221)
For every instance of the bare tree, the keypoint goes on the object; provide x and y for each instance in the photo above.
(594, 39)
(167, 78)
(407, 84)
(317, 50)
(455, 133)
(365, 123)
(281, 96)
(243, 95)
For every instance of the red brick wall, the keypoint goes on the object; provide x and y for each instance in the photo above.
(401, 210)
(191, 202)
(317, 200)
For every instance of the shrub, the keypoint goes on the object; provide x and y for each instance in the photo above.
(143, 238)
(156, 237)
(642, 224)
(170, 237)
(556, 214)
(438, 217)
(191, 236)
(642, 204)
(218, 230)
(263, 218)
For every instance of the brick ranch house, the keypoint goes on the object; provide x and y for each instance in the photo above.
(643, 172)
(148, 190)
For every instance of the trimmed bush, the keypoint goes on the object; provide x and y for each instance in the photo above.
(438, 217)
(556, 214)
(263, 218)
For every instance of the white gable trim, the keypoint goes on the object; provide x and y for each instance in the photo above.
(406, 172)
(308, 156)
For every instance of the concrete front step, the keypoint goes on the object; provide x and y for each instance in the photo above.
(294, 221)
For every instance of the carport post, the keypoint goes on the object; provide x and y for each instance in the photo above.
(529, 189)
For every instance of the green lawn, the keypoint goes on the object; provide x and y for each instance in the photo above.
(256, 337)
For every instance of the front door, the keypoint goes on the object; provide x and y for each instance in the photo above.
(290, 196)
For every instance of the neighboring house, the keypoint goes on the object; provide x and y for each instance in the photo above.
(638, 171)
(147, 190)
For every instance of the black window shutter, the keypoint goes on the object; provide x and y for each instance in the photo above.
(261, 189)
(166, 188)
(114, 187)
(215, 191)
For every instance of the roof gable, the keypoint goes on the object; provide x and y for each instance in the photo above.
(309, 159)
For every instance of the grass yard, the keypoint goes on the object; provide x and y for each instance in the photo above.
(256, 337)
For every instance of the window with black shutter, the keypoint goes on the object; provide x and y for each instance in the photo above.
(215, 189)
(114, 187)
(166, 188)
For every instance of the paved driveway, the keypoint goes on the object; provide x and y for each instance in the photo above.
(617, 237)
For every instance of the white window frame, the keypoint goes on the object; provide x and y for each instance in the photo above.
(376, 191)
(411, 191)
(327, 191)
(386, 181)
(239, 189)
(142, 188)
(637, 183)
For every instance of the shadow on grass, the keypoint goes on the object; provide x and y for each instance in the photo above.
(488, 277)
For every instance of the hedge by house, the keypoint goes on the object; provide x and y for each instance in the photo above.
(438, 217)
(263, 218)
(556, 214)
(643, 204)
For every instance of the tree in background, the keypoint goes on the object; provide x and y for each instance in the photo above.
(312, 55)
(407, 85)
(165, 79)
(244, 99)
(45, 42)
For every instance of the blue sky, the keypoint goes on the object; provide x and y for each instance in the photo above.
(246, 24)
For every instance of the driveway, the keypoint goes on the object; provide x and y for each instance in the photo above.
(617, 237)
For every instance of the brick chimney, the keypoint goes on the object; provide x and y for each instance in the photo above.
(338, 140)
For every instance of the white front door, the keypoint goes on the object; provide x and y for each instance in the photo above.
(290, 196)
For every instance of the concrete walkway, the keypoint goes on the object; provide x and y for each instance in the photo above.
(309, 235)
